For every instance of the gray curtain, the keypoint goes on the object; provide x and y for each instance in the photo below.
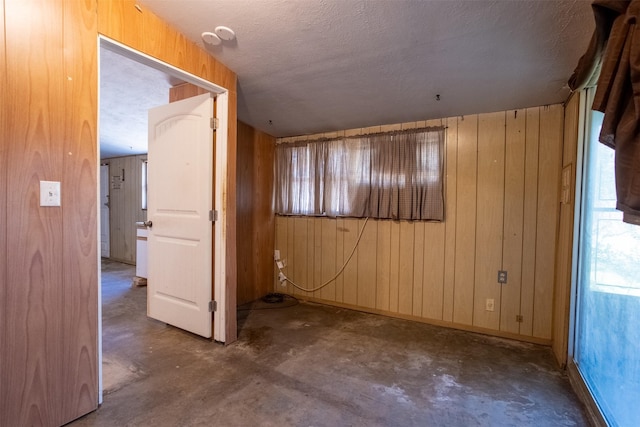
(396, 175)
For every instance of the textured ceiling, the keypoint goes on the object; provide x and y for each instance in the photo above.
(320, 65)
(128, 90)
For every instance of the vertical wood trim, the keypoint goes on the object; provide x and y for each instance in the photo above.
(328, 251)
(450, 214)
(292, 257)
(300, 247)
(350, 290)
(562, 294)
(434, 262)
(367, 258)
(405, 277)
(530, 219)
(465, 220)
(80, 204)
(489, 218)
(383, 265)
(418, 267)
(550, 160)
(394, 267)
(317, 256)
(340, 258)
(513, 219)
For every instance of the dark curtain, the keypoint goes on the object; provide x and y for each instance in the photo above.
(615, 51)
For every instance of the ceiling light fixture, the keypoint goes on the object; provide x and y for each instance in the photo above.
(210, 38)
(225, 33)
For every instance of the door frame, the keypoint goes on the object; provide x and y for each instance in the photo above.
(220, 183)
(101, 204)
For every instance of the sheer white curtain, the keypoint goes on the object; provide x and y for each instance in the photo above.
(394, 175)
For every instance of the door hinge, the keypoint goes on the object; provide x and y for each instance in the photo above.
(213, 215)
(214, 123)
(213, 306)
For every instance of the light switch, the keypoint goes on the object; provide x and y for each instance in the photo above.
(49, 193)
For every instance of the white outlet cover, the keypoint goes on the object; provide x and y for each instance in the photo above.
(49, 193)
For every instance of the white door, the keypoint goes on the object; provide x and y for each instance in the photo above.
(180, 193)
(104, 211)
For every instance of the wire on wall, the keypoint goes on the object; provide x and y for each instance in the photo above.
(283, 277)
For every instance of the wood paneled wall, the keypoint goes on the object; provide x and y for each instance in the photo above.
(501, 213)
(125, 206)
(49, 254)
(564, 258)
(255, 213)
(138, 28)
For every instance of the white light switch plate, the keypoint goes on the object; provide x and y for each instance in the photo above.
(49, 193)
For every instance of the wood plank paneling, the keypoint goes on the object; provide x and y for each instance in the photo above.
(33, 347)
(383, 265)
(530, 220)
(513, 219)
(80, 315)
(350, 285)
(328, 249)
(549, 167)
(405, 275)
(433, 266)
(451, 170)
(394, 267)
(143, 31)
(442, 273)
(489, 218)
(316, 256)
(564, 259)
(188, 90)
(300, 246)
(256, 235)
(465, 220)
(367, 259)
(125, 205)
(281, 245)
(340, 258)
(418, 267)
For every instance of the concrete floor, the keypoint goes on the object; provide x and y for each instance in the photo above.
(314, 365)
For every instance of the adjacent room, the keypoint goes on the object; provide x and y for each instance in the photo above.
(319, 213)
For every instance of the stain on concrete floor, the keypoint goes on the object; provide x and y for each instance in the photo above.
(315, 365)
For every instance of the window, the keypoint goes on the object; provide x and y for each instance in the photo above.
(394, 175)
(145, 176)
(608, 297)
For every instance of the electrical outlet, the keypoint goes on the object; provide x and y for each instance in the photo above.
(502, 276)
(276, 255)
(490, 304)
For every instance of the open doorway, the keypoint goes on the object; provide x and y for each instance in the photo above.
(119, 100)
